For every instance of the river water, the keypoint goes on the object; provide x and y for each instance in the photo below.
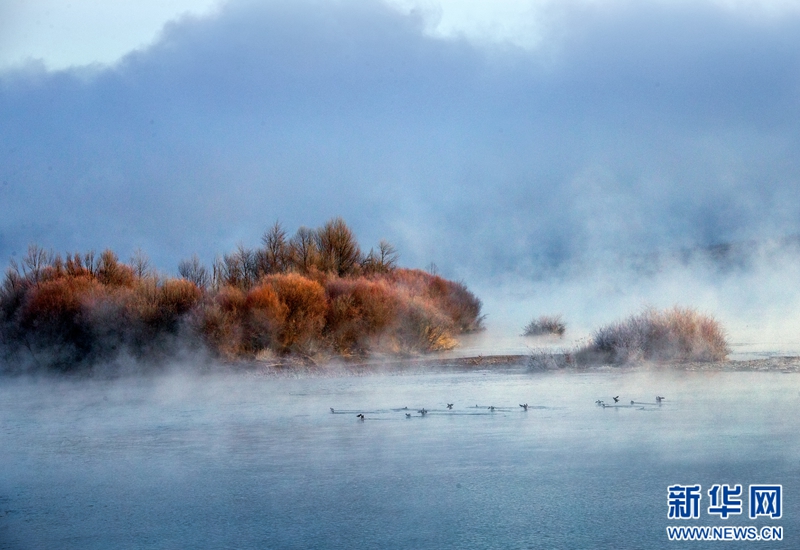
(244, 461)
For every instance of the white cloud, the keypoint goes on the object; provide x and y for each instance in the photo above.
(528, 23)
(64, 33)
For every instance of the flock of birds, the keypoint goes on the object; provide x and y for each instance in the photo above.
(600, 403)
(477, 409)
(423, 411)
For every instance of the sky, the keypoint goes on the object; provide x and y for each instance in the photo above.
(504, 141)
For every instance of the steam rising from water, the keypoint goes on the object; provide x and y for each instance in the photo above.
(249, 461)
(747, 287)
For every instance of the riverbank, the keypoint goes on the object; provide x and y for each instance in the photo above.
(514, 363)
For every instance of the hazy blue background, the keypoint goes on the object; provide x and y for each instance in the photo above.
(507, 142)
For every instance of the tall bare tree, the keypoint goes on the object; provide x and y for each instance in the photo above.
(140, 263)
(35, 262)
(237, 269)
(338, 248)
(194, 271)
(303, 248)
(275, 257)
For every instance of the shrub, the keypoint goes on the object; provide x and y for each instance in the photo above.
(305, 305)
(677, 334)
(219, 322)
(177, 297)
(361, 312)
(422, 328)
(54, 304)
(462, 306)
(264, 318)
(452, 298)
(546, 324)
(55, 322)
(111, 272)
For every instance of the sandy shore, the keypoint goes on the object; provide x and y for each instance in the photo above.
(516, 363)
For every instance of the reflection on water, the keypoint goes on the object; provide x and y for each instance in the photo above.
(256, 462)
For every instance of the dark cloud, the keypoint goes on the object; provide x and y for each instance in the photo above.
(632, 128)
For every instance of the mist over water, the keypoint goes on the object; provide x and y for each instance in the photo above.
(747, 287)
(185, 460)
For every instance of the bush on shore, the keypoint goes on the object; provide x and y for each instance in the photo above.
(677, 334)
(315, 293)
(546, 324)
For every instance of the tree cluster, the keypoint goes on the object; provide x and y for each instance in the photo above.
(314, 294)
(331, 249)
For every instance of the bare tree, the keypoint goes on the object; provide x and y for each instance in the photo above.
(237, 269)
(192, 270)
(90, 262)
(35, 262)
(303, 249)
(217, 273)
(382, 261)
(140, 263)
(338, 248)
(275, 257)
(14, 280)
(387, 255)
